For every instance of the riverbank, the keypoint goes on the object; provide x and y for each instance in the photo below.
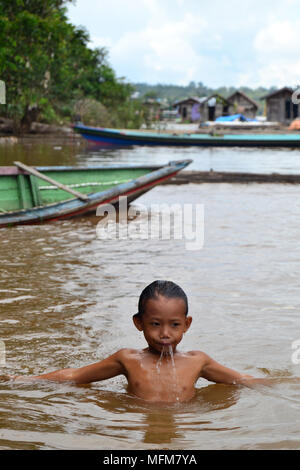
(223, 129)
(4, 140)
(37, 128)
(198, 177)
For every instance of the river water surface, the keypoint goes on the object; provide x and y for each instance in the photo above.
(67, 298)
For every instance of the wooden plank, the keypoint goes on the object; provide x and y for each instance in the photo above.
(22, 190)
(36, 197)
(34, 172)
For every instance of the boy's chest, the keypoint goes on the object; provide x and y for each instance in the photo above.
(167, 381)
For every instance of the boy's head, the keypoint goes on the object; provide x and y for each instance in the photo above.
(163, 314)
(167, 289)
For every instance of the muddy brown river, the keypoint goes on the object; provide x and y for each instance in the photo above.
(67, 299)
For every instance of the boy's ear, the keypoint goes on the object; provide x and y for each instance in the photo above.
(188, 322)
(138, 322)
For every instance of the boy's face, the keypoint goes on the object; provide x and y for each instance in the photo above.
(163, 323)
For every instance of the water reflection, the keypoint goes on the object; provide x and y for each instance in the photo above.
(66, 150)
(42, 151)
(54, 408)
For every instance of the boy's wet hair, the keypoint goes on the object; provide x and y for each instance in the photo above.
(165, 288)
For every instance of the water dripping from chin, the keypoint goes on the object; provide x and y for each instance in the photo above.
(174, 373)
(159, 362)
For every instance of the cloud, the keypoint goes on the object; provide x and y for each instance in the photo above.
(278, 38)
(99, 41)
(249, 43)
(277, 51)
(171, 50)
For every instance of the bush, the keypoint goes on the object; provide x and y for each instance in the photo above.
(92, 113)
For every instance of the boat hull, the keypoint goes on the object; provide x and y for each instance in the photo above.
(74, 207)
(111, 137)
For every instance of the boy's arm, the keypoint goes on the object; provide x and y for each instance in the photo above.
(105, 369)
(215, 372)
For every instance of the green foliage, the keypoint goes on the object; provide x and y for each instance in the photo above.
(92, 112)
(128, 115)
(47, 65)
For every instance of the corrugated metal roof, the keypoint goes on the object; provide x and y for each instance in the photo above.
(191, 98)
(244, 95)
(273, 93)
(201, 100)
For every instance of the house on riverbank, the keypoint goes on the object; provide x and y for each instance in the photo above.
(240, 103)
(213, 107)
(206, 108)
(188, 109)
(280, 107)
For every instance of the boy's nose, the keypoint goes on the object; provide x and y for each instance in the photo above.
(164, 333)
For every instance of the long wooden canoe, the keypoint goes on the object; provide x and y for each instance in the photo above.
(26, 198)
(113, 137)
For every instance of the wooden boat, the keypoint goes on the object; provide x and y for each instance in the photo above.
(112, 137)
(33, 195)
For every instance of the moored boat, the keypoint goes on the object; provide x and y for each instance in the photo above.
(113, 137)
(34, 195)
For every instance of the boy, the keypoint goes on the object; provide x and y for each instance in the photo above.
(158, 373)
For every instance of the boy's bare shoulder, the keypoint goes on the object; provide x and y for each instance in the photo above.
(198, 355)
(126, 353)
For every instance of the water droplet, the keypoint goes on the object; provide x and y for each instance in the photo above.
(174, 372)
(158, 364)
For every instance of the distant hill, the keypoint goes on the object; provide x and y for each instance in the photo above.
(171, 93)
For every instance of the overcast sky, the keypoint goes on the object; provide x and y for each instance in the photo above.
(216, 42)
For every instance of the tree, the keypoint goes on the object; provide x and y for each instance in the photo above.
(47, 64)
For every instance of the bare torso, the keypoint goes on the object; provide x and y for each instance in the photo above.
(165, 378)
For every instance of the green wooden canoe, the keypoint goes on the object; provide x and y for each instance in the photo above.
(28, 199)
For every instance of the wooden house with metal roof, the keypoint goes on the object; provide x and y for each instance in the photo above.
(206, 108)
(188, 108)
(280, 106)
(240, 103)
(213, 107)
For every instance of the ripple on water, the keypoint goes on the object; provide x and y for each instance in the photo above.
(75, 307)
